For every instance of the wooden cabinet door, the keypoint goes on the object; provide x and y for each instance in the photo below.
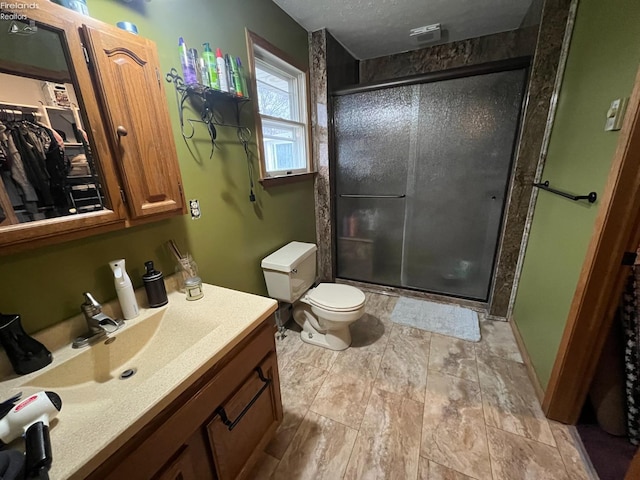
(178, 469)
(128, 77)
(246, 421)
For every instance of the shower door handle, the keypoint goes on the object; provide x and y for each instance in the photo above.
(353, 195)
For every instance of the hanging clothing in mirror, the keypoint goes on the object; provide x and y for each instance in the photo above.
(34, 168)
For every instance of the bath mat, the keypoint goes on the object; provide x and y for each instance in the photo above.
(449, 320)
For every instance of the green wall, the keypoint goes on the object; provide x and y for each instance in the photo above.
(602, 63)
(46, 285)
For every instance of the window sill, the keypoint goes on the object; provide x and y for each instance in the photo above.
(286, 179)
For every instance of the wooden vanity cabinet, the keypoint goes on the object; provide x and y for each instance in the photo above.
(118, 81)
(217, 428)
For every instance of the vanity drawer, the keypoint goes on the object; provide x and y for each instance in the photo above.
(245, 421)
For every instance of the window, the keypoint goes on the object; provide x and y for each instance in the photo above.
(280, 85)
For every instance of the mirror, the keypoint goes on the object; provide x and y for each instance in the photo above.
(47, 166)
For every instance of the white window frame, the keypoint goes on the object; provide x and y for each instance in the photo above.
(268, 57)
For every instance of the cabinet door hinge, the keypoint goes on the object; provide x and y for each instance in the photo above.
(86, 54)
(158, 76)
(180, 188)
(124, 198)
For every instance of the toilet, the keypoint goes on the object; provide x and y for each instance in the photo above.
(324, 311)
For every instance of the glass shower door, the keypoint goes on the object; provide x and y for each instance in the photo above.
(421, 177)
(372, 138)
(456, 192)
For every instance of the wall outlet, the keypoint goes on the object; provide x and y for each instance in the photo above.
(194, 207)
(615, 114)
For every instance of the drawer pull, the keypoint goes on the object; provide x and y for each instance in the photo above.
(223, 415)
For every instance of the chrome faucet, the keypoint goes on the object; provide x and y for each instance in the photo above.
(98, 323)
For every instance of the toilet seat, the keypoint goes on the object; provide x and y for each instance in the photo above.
(336, 297)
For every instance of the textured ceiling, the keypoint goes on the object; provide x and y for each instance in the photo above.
(373, 28)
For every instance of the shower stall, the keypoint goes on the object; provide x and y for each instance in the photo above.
(422, 169)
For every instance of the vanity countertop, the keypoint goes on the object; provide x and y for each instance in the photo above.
(171, 347)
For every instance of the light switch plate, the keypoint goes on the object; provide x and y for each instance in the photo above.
(615, 114)
(194, 207)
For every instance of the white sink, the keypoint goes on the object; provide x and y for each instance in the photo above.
(95, 373)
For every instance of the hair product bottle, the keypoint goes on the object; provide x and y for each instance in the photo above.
(188, 67)
(222, 71)
(210, 64)
(124, 289)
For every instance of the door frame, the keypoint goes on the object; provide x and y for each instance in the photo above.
(602, 278)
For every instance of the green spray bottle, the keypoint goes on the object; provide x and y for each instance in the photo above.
(243, 78)
(210, 65)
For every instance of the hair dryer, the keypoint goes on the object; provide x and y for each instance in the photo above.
(31, 419)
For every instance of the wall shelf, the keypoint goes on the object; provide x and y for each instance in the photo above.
(209, 104)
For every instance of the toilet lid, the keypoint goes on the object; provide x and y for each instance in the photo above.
(336, 297)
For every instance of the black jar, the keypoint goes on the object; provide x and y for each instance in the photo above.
(154, 285)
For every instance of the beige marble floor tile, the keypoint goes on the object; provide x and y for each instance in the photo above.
(572, 452)
(380, 305)
(388, 443)
(299, 385)
(509, 400)
(434, 471)
(320, 450)
(498, 341)
(404, 365)
(370, 334)
(356, 362)
(264, 467)
(318, 357)
(343, 398)
(454, 432)
(452, 356)
(287, 346)
(513, 456)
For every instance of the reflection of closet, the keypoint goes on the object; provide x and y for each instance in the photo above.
(75, 186)
(83, 183)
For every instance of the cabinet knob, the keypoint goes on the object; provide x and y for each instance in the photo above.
(121, 131)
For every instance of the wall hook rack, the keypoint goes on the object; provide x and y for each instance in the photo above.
(208, 101)
(591, 197)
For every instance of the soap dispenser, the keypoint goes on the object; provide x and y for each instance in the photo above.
(154, 285)
(124, 289)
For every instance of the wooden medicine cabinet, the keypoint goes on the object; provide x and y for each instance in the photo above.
(87, 144)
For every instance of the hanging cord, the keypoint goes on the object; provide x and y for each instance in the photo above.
(244, 134)
(208, 119)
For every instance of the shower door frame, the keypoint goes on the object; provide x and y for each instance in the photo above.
(516, 63)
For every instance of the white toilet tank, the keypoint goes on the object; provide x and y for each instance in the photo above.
(290, 271)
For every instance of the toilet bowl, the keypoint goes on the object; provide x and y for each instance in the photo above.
(324, 312)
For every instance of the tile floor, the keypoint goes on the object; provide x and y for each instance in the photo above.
(406, 404)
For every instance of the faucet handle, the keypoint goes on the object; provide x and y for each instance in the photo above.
(89, 300)
(90, 306)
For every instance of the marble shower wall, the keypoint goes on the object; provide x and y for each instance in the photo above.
(531, 152)
(332, 67)
(474, 51)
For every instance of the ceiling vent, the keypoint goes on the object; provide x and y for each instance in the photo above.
(426, 34)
